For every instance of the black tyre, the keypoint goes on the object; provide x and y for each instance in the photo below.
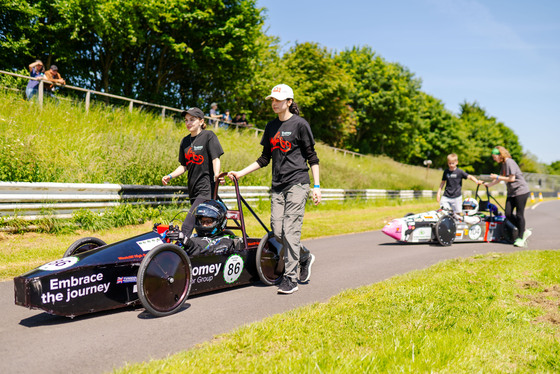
(409, 214)
(270, 260)
(445, 230)
(83, 245)
(164, 280)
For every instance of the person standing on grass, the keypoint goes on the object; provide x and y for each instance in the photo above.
(36, 70)
(452, 179)
(199, 155)
(53, 75)
(517, 192)
(288, 142)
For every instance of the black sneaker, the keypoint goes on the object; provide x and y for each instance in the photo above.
(287, 286)
(305, 268)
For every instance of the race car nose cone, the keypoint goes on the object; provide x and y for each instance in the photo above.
(394, 229)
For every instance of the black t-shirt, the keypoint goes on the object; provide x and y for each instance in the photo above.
(197, 154)
(291, 146)
(454, 182)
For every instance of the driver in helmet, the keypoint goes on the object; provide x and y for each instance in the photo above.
(470, 207)
(210, 222)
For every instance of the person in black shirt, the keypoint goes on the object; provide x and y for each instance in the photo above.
(289, 143)
(452, 179)
(199, 156)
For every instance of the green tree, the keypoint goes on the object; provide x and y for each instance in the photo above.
(554, 168)
(386, 99)
(529, 163)
(483, 133)
(321, 88)
(16, 33)
(175, 52)
(438, 134)
(266, 71)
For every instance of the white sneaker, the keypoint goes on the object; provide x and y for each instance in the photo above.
(519, 242)
(526, 234)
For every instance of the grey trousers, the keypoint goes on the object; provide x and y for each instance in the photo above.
(286, 219)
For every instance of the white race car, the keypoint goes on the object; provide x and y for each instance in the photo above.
(479, 221)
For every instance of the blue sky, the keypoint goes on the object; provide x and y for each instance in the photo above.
(505, 55)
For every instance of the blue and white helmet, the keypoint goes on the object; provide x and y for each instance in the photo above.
(470, 206)
(217, 211)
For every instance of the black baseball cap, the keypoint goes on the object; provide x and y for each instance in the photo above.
(194, 111)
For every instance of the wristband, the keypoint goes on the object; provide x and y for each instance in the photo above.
(316, 186)
(170, 176)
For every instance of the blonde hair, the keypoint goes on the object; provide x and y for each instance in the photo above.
(452, 157)
(504, 154)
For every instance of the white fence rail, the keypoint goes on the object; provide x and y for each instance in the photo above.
(33, 200)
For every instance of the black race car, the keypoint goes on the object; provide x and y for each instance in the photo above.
(148, 269)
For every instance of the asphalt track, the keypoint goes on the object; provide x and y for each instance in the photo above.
(35, 342)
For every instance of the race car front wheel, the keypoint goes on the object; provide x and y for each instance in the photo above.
(164, 280)
(83, 245)
(446, 230)
(270, 260)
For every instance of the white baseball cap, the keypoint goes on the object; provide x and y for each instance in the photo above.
(281, 92)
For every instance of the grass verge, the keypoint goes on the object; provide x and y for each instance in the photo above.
(488, 313)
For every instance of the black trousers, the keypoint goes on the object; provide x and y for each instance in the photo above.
(518, 203)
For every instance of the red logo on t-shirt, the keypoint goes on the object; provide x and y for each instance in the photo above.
(279, 143)
(193, 157)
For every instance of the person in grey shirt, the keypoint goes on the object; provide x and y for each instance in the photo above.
(517, 192)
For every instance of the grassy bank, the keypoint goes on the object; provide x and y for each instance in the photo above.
(490, 313)
(63, 143)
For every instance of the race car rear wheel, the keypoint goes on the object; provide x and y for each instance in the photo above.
(83, 245)
(270, 260)
(164, 280)
(445, 230)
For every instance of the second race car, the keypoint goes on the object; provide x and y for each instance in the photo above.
(479, 221)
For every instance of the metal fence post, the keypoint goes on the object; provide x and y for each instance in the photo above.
(88, 96)
(40, 94)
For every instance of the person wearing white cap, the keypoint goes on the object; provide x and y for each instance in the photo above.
(199, 156)
(288, 142)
